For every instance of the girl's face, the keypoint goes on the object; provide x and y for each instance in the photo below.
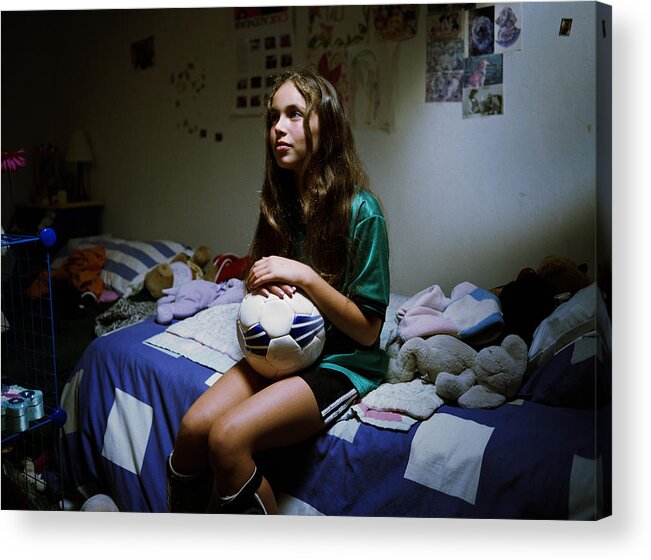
(286, 132)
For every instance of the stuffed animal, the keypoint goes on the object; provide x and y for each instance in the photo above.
(178, 271)
(226, 266)
(484, 379)
(525, 303)
(186, 300)
(534, 294)
(563, 276)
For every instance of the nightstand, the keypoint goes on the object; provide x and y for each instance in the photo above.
(73, 219)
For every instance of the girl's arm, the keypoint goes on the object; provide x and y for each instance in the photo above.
(279, 275)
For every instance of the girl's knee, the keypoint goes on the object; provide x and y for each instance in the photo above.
(192, 428)
(225, 441)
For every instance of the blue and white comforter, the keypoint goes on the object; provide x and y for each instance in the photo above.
(540, 456)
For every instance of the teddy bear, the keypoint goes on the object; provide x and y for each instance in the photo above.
(474, 379)
(178, 271)
(563, 276)
(534, 294)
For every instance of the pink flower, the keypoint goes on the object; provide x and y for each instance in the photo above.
(11, 161)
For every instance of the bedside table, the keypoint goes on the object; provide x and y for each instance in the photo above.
(73, 219)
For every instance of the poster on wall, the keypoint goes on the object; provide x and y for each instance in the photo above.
(332, 30)
(264, 47)
(482, 86)
(481, 31)
(508, 27)
(397, 22)
(445, 53)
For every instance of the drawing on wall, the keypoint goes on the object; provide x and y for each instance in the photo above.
(396, 22)
(372, 71)
(445, 54)
(481, 31)
(142, 53)
(331, 31)
(264, 47)
(508, 27)
(188, 82)
(482, 86)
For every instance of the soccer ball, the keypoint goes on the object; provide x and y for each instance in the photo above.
(279, 337)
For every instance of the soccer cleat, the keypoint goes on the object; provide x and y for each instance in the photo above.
(187, 493)
(246, 501)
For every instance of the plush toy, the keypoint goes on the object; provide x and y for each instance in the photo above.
(563, 276)
(534, 294)
(226, 266)
(178, 271)
(186, 300)
(525, 303)
(484, 379)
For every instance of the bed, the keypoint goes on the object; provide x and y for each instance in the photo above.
(544, 454)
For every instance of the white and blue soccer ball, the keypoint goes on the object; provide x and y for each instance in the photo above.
(279, 337)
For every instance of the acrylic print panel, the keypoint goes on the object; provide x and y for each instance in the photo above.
(483, 197)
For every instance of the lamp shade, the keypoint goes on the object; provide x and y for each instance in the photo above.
(79, 149)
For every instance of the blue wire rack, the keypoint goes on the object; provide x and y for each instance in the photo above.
(31, 415)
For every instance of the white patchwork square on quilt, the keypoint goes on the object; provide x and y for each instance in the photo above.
(446, 455)
(289, 505)
(69, 402)
(584, 348)
(586, 489)
(127, 432)
(345, 429)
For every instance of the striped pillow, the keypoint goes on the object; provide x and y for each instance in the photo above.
(127, 262)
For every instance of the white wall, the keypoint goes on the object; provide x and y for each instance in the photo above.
(475, 199)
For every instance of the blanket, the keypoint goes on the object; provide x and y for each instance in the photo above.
(470, 313)
(197, 339)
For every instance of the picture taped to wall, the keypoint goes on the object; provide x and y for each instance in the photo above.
(264, 47)
(508, 27)
(396, 22)
(445, 53)
(481, 31)
(482, 86)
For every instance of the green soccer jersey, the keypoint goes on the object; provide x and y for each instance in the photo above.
(366, 282)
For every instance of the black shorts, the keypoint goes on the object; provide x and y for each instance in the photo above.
(334, 392)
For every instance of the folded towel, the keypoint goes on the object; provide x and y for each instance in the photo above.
(398, 406)
(416, 398)
(383, 419)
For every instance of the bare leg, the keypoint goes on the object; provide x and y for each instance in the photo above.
(281, 414)
(191, 445)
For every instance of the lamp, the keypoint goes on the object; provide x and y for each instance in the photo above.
(80, 152)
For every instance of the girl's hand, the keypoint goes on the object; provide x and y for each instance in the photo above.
(280, 290)
(278, 275)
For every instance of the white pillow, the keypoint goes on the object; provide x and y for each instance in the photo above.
(568, 321)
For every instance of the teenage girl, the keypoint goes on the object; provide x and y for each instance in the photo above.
(322, 232)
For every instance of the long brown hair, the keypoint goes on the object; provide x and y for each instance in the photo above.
(331, 173)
